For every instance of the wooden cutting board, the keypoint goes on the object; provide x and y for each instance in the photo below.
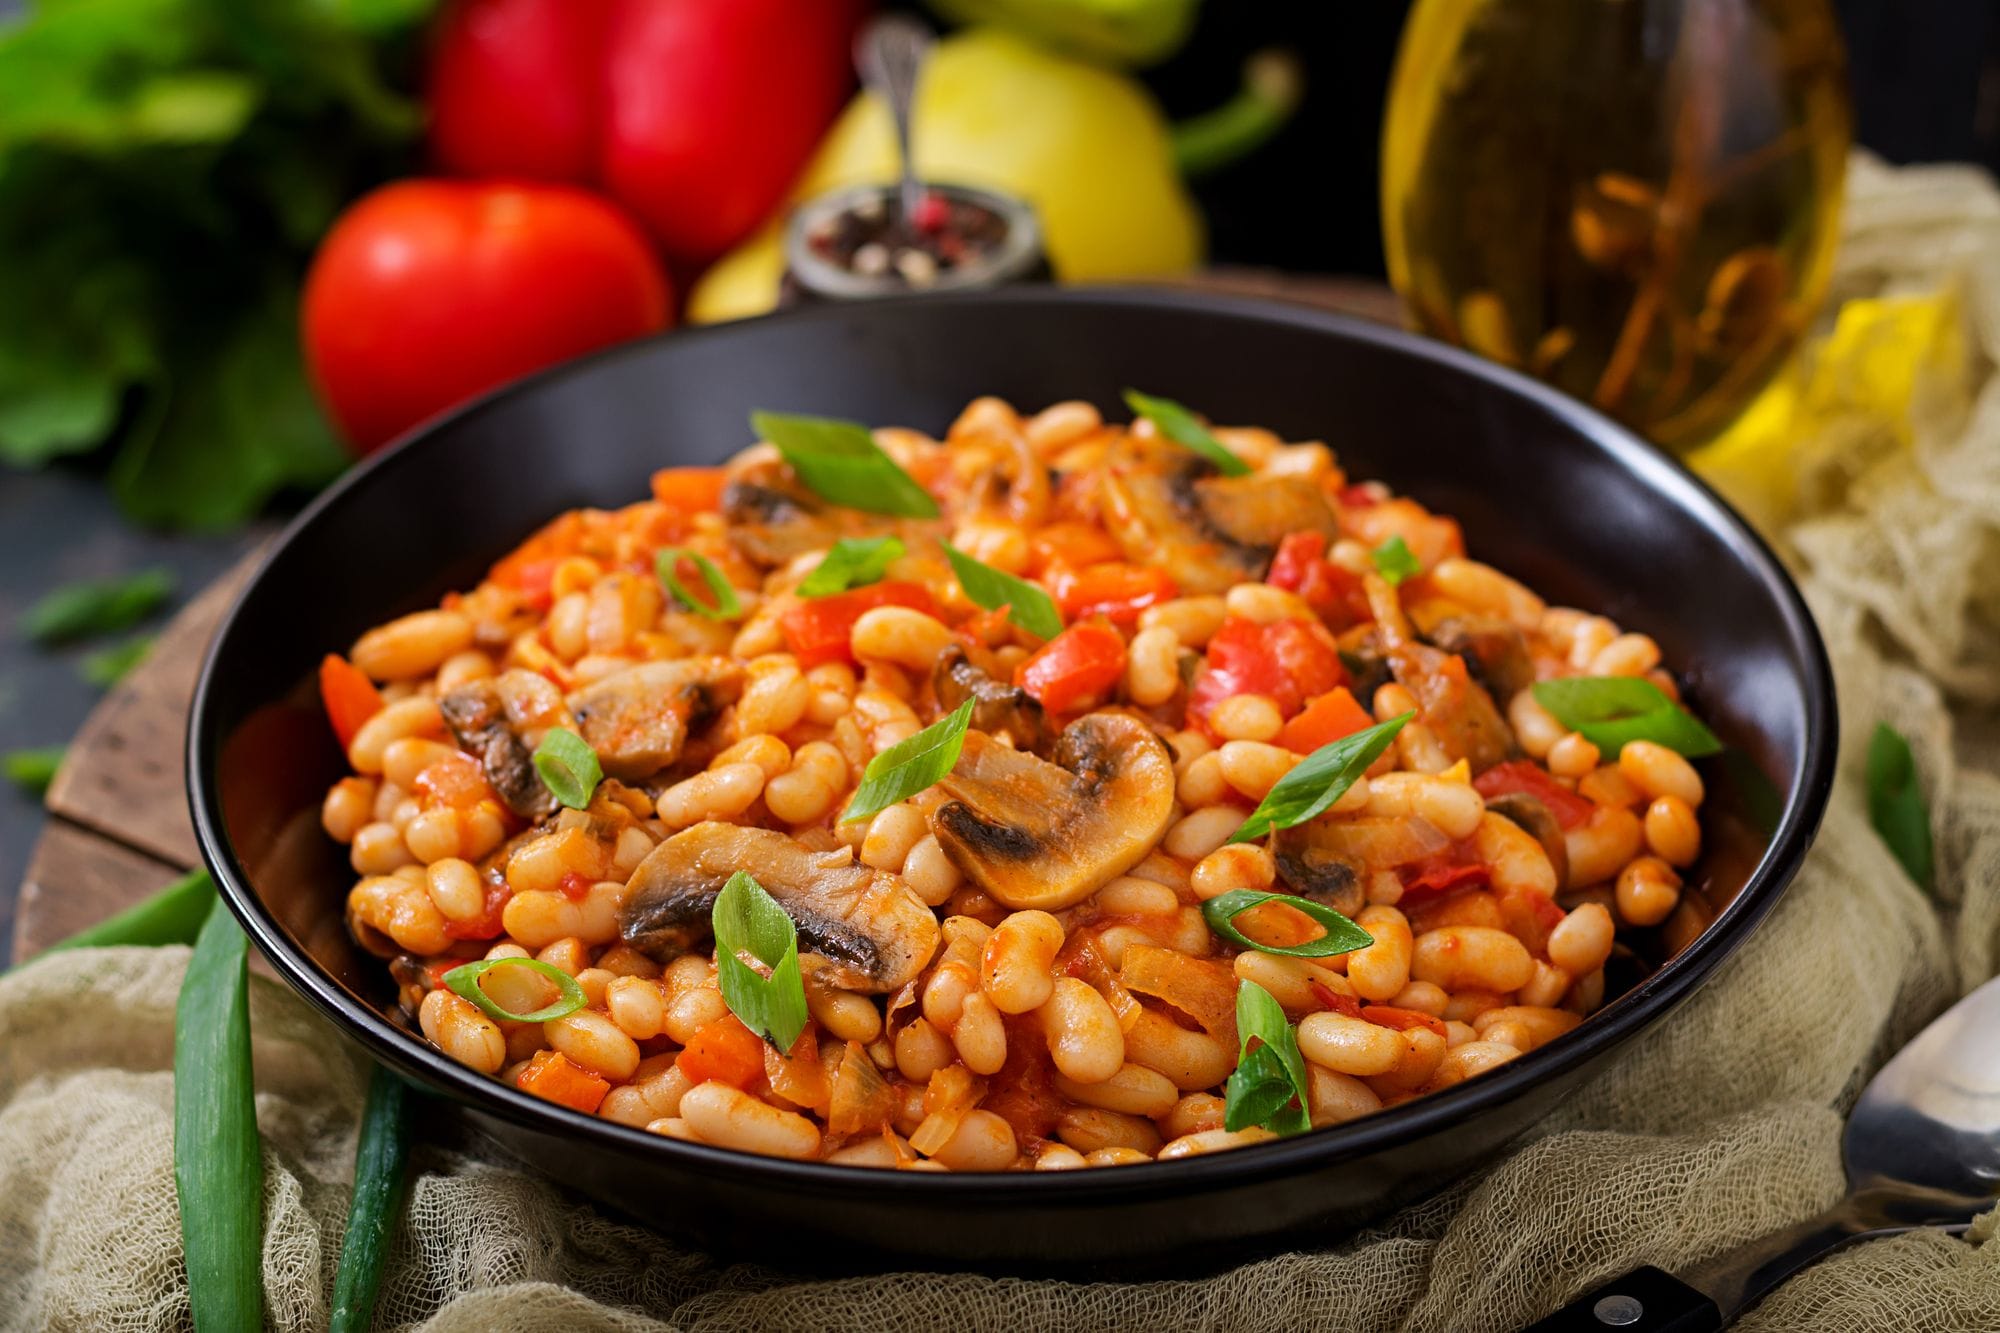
(118, 825)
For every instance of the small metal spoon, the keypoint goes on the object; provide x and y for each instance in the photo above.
(890, 53)
(1922, 1150)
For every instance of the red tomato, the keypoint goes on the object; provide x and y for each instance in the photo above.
(1442, 882)
(1077, 666)
(817, 629)
(695, 114)
(691, 490)
(489, 923)
(428, 292)
(1525, 775)
(725, 1051)
(1116, 591)
(1289, 661)
(349, 696)
(1331, 590)
(552, 1077)
(1402, 1020)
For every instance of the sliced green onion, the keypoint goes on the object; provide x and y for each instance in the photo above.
(34, 769)
(174, 915)
(1610, 710)
(725, 606)
(749, 920)
(463, 981)
(568, 766)
(839, 461)
(911, 765)
(1185, 429)
(854, 562)
(107, 666)
(1027, 605)
(1896, 804)
(218, 1175)
(381, 1153)
(1342, 935)
(1394, 561)
(1269, 1086)
(101, 606)
(1318, 780)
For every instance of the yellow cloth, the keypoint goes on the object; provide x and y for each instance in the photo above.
(1722, 1124)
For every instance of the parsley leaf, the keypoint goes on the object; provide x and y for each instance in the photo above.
(1611, 710)
(911, 765)
(1027, 605)
(1185, 429)
(1395, 561)
(852, 562)
(840, 462)
(100, 606)
(1896, 804)
(1318, 780)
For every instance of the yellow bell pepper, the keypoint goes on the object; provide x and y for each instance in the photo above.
(1086, 146)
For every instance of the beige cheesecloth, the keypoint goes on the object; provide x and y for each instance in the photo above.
(1720, 1125)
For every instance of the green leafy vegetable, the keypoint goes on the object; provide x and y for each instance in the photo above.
(1896, 804)
(839, 461)
(381, 1153)
(911, 765)
(1318, 780)
(174, 915)
(1269, 1085)
(100, 606)
(218, 1175)
(749, 920)
(1394, 561)
(1342, 935)
(723, 603)
(1185, 429)
(1611, 710)
(463, 981)
(107, 666)
(854, 562)
(33, 770)
(1027, 605)
(568, 766)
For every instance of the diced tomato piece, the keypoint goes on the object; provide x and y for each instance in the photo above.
(529, 569)
(1360, 494)
(1289, 661)
(488, 924)
(1334, 592)
(817, 629)
(1076, 545)
(692, 490)
(552, 1077)
(456, 780)
(574, 886)
(1325, 720)
(1525, 775)
(725, 1052)
(1075, 667)
(350, 697)
(1389, 1016)
(1296, 554)
(1334, 1000)
(1442, 882)
(1114, 590)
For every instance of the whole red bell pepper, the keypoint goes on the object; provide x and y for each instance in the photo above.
(694, 114)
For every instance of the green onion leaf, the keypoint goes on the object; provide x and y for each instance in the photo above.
(1027, 605)
(749, 920)
(1395, 561)
(1611, 710)
(463, 981)
(854, 562)
(380, 1154)
(174, 915)
(839, 461)
(910, 765)
(1185, 429)
(568, 766)
(722, 603)
(1318, 780)
(1896, 804)
(1269, 1085)
(34, 769)
(1342, 935)
(101, 606)
(107, 666)
(218, 1174)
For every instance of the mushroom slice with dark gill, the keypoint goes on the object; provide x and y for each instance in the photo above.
(869, 931)
(480, 720)
(1318, 872)
(1000, 707)
(771, 518)
(638, 720)
(1532, 815)
(1495, 651)
(1036, 833)
(1454, 705)
(1166, 507)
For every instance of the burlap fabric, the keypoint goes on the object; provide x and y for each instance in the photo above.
(1721, 1125)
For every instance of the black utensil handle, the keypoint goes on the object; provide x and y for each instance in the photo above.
(1645, 1300)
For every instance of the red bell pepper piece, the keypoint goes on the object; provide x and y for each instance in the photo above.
(1288, 661)
(1080, 664)
(1345, 1005)
(552, 1077)
(691, 490)
(1443, 881)
(1114, 590)
(350, 697)
(1524, 775)
(723, 1052)
(817, 629)
(1334, 592)
(1070, 543)
(1326, 719)
(1402, 1020)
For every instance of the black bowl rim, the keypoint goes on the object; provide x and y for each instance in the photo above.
(1624, 1018)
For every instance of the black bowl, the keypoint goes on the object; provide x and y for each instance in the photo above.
(1546, 489)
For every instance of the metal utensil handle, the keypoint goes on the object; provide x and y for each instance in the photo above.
(890, 53)
(1645, 1300)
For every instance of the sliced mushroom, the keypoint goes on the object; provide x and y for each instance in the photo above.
(1166, 507)
(479, 716)
(1000, 708)
(1318, 872)
(638, 720)
(1457, 708)
(772, 518)
(1532, 815)
(1035, 833)
(867, 930)
(1494, 650)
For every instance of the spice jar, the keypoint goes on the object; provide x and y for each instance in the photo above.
(855, 244)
